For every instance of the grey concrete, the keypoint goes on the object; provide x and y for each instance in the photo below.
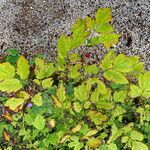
(33, 26)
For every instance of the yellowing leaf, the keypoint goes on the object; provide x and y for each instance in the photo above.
(37, 99)
(103, 15)
(23, 94)
(135, 91)
(77, 107)
(23, 68)
(135, 135)
(61, 92)
(115, 76)
(42, 69)
(91, 132)
(81, 93)
(10, 85)
(90, 23)
(109, 40)
(120, 96)
(57, 103)
(104, 105)
(94, 143)
(13, 103)
(39, 122)
(51, 123)
(7, 71)
(105, 28)
(76, 128)
(107, 60)
(6, 136)
(47, 83)
(139, 146)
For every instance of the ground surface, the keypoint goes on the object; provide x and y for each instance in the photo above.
(33, 26)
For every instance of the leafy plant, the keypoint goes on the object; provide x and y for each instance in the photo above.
(70, 104)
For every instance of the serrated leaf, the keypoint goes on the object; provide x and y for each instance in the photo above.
(135, 91)
(39, 122)
(74, 57)
(97, 117)
(47, 83)
(7, 71)
(122, 64)
(135, 135)
(23, 94)
(61, 92)
(120, 96)
(81, 93)
(115, 76)
(107, 60)
(73, 71)
(90, 23)
(94, 143)
(109, 40)
(103, 15)
(42, 69)
(13, 103)
(139, 146)
(115, 133)
(118, 111)
(23, 68)
(37, 99)
(77, 107)
(10, 85)
(92, 69)
(105, 28)
(104, 105)
(112, 146)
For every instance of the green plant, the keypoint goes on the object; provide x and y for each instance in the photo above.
(72, 105)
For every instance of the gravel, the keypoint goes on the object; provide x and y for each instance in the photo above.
(33, 26)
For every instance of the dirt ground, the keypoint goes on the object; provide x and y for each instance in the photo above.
(33, 26)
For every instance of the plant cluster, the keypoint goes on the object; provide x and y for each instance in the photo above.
(70, 104)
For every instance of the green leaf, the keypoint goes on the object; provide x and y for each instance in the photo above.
(74, 57)
(120, 96)
(39, 122)
(10, 85)
(115, 133)
(105, 28)
(135, 135)
(13, 103)
(81, 93)
(23, 68)
(47, 83)
(28, 118)
(115, 76)
(112, 146)
(53, 139)
(103, 15)
(7, 71)
(107, 60)
(135, 91)
(37, 99)
(118, 111)
(92, 69)
(144, 84)
(139, 146)
(61, 92)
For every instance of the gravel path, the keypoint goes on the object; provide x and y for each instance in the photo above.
(33, 26)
